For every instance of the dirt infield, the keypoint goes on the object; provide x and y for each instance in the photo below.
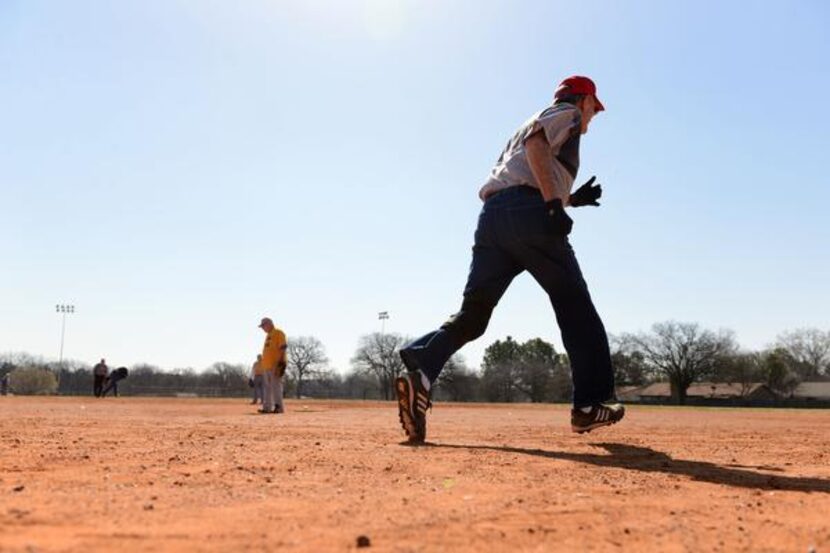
(78, 474)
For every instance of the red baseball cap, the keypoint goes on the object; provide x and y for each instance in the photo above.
(578, 84)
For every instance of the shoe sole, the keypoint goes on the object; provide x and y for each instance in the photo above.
(586, 429)
(406, 397)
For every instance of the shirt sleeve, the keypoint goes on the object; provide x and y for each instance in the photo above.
(557, 123)
(283, 347)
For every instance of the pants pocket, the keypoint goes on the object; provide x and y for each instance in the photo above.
(531, 222)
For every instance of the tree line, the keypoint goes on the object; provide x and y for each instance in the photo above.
(511, 371)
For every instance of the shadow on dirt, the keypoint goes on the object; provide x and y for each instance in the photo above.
(645, 459)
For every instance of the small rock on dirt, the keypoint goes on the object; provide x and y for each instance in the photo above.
(364, 541)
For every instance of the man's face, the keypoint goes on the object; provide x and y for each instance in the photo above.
(588, 108)
(266, 327)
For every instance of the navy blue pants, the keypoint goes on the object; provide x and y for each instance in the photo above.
(515, 234)
(112, 385)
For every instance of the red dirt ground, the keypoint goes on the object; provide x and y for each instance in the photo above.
(78, 474)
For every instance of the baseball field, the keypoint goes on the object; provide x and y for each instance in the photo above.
(79, 474)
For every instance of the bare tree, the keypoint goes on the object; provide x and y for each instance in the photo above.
(324, 383)
(778, 370)
(683, 352)
(377, 355)
(306, 358)
(358, 384)
(810, 347)
(742, 368)
(457, 382)
(222, 377)
(630, 368)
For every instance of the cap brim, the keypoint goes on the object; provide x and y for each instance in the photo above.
(598, 105)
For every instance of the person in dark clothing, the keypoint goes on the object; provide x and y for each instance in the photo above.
(99, 375)
(112, 382)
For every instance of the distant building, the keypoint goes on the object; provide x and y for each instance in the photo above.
(630, 393)
(812, 391)
(660, 392)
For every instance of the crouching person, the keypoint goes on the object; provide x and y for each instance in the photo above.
(113, 379)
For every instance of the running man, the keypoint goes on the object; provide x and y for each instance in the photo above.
(523, 226)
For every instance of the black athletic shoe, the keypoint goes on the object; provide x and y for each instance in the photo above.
(600, 414)
(413, 402)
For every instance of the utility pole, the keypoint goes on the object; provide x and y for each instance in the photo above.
(63, 309)
(383, 316)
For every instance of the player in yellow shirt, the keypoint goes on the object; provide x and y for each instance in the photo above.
(273, 365)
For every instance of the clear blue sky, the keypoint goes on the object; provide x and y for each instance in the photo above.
(179, 168)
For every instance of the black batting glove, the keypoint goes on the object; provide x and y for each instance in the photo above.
(587, 194)
(562, 224)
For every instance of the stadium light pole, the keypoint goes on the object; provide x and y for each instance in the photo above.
(63, 309)
(383, 316)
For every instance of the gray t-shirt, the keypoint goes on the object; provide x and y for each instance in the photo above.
(561, 125)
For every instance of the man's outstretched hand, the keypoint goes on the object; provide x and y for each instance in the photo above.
(587, 194)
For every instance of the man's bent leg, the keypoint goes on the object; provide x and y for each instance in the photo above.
(491, 272)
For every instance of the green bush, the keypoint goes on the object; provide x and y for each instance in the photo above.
(31, 381)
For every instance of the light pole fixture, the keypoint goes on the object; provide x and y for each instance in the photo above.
(63, 309)
(383, 316)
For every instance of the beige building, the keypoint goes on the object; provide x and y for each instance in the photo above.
(661, 391)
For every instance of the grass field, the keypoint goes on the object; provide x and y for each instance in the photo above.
(135, 474)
